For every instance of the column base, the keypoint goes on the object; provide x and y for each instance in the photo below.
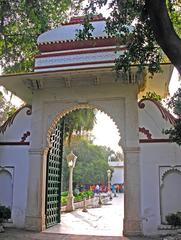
(132, 228)
(36, 224)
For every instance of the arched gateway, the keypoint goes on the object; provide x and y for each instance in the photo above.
(72, 74)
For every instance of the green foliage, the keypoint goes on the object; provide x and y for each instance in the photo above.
(130, 23)
(6, 109)
(175, 132)
(152, 95)
(79, 122)
(86, 33)
(63, 200)
(77, 197)
(5, 213)
(21, 22)
(91, 165)
(175, 105)
(174, 9)
(64, 194)
(174, 219)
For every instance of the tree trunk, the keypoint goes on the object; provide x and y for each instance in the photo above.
(164, 32)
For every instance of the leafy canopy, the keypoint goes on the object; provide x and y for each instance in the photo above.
(91, 165)
(131, 24)
(175, 105)
(21, 22)
(6, 109)
(79, 123)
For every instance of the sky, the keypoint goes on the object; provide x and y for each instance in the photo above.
(106, 132)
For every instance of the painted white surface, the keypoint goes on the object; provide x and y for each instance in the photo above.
(117, 176)
(50, 103)
(6, 188)
(68, 32)
(21, 124)
(77, 59)
(153, 157)
(16, 158)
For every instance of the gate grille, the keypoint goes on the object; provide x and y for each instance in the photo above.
(54, 170)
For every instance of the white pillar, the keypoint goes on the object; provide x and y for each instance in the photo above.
(132, 198)
(35, 211)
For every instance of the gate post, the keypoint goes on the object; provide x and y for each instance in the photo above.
(35, 203)
(132, 196)
(35, 212)
(132, 224)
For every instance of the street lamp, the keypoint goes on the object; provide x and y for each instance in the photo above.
(71, 160)
(109, 183)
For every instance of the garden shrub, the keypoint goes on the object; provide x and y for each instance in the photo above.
(64, 194)
(5, 213)
(174, 219)
(77, 197)
(64, 200)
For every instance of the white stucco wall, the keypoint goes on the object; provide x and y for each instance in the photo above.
(17, 158)
(154, 158)
(118, 172)
(117, 176)
(14, 158)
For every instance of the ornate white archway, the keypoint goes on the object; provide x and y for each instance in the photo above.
(118, 101)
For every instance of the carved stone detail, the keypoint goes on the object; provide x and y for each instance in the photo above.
(164, 170)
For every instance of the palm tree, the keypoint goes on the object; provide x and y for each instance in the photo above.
(79, 122)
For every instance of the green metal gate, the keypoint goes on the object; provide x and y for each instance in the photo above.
(54, 172)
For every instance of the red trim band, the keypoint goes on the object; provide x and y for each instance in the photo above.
(74, 64)
(77, 44)
(159, 140)
(80, 20)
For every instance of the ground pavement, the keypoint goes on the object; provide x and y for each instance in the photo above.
(102, 223)
(14, 234)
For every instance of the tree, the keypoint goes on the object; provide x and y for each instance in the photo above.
(6, 109)
(175, 105)
(147, 28)
(91, 165)
(21, 22)
(79, 122)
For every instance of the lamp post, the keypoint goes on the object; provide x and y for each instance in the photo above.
(71, 160)
(109, 183)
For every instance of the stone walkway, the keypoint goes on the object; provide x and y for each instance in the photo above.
(103, 223)
(14, 234)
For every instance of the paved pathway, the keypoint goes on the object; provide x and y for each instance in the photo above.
(103, 223)
(14, 234)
